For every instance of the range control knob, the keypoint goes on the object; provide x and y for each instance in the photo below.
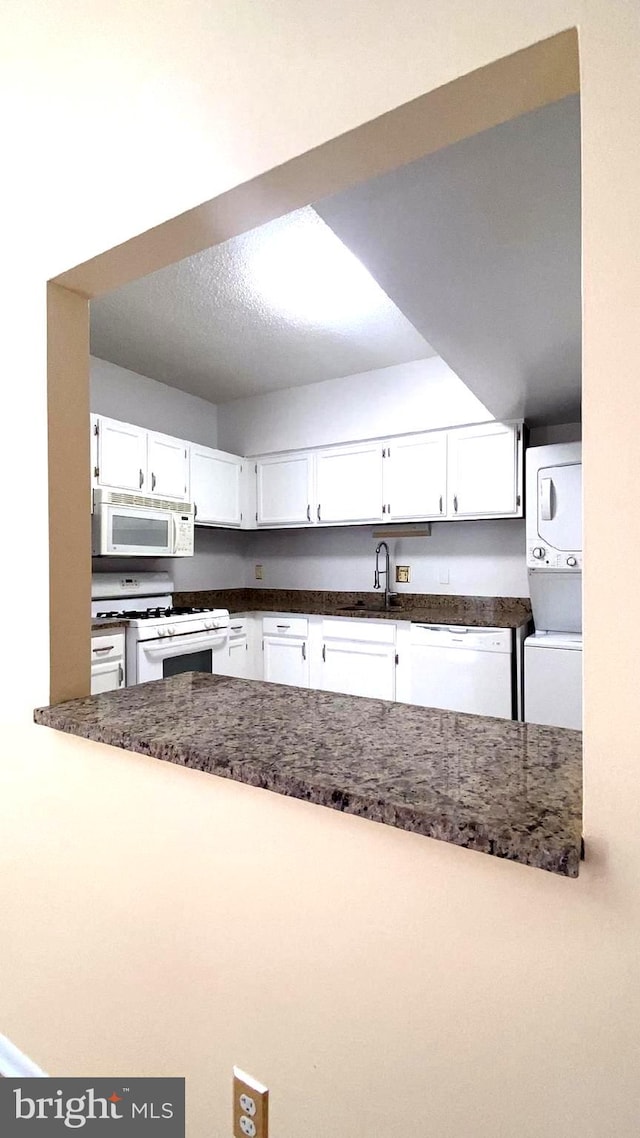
(538, 552)
(571, 561)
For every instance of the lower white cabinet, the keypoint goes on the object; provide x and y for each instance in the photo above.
(285, 650)
(107, 661)
(286, 660)
(359, 658)
(237, 658)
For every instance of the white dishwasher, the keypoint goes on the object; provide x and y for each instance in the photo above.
(463, 669)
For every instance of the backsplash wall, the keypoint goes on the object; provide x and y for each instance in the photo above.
(480, 558)
(483, 559)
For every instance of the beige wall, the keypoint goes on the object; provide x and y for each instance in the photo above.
(380, 969)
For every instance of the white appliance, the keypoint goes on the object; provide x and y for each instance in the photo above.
(553, 679)
(553, 655)
(132, 525)
(160, 640)
(554, 507)
(463, 669)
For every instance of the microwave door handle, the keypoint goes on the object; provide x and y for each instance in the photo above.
(546, 507)
(174, 526)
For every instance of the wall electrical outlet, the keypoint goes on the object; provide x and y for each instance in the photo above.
(258, 572)
(250, 1106)
(403, 574)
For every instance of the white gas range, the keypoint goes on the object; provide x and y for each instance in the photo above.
(160, 640)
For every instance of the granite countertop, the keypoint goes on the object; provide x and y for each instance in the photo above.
(419, 608)
(110, 622)
(504, 788)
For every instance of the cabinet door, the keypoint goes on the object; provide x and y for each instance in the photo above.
(355, 668)
(108, 675)
(285, 490)
(483, 471)
(121, 456)
(415, 477)
(215, 486)
(349, 484)
(167, 460)
(234, 661)
(285, 660)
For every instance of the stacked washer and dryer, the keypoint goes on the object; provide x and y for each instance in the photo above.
(553, 654)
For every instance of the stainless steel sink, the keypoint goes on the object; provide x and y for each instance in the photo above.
(362, 608)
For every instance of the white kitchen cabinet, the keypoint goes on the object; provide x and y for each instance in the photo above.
(359, 658)
(168, 466)
(349, 484)
(234, 660)
(285, 490)
(415, 477)
(237, 659)
(286, 660)
(216, 486)
(354, 668)
(484, 471)
(121, 455)
(107, 661)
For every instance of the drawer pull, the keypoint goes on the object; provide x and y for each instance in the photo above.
(108, 648)
(283, 626)
(236, 628)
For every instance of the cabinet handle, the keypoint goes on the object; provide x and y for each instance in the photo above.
(141, 478)
(455, 503)
(324, 652)
(153, 481)
(236, 628)
(304, 651)
(283, 626)
(120, 675)
(318, 513)
(388, 507)
(384, 508)
(308, 513)
(195, 511)
(109, 648)
(441, 503)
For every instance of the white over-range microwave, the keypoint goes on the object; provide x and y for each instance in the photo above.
(132, 525)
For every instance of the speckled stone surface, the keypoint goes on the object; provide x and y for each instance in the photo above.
(504, 788)
(420, 608)
(114, 622)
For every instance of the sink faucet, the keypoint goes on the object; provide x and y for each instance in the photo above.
(378, 571)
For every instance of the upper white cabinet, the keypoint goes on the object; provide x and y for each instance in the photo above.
(121, 455)
(461, 472)
(415, 477)
(285, 490)
(349, 484)
(168, 465)
(484, 471)
(139, 461)
(216, 486)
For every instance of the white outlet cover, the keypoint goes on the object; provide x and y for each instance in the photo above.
(247, 1126)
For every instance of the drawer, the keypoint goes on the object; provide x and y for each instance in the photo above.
(285, 625)
(360, 628)
(107, 646)
(238, 626)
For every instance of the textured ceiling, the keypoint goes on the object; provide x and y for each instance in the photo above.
(479, 246)
(281, 306)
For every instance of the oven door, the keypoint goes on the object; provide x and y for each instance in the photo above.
(128, 531)
(171, 655)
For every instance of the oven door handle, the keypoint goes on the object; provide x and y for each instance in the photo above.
(177, 645)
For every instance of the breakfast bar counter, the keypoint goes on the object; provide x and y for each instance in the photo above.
(509, 789)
